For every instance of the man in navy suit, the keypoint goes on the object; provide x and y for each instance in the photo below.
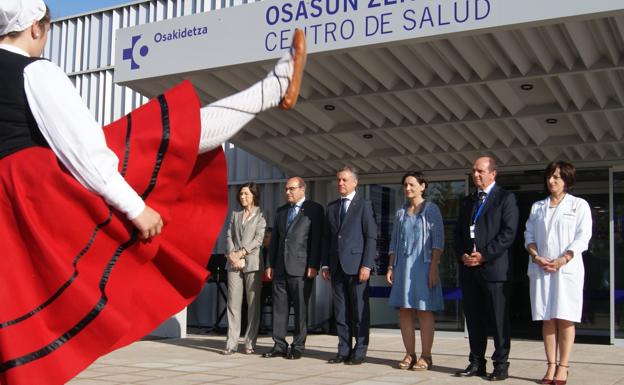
(350, 246)
(294, 258)
(486, 228)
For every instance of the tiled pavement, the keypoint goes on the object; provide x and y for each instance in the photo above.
(196, 360)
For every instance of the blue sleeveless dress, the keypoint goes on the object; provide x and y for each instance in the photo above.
(410, 288)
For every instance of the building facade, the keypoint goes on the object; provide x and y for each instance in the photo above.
(393, 86)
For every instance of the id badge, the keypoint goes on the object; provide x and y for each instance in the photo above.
(472, 231)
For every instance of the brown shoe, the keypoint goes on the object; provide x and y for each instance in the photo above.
(423, 363)
(299, 54)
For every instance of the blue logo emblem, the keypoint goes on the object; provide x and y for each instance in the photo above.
(128, 53)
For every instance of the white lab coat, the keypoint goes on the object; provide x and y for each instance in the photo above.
(560, 294)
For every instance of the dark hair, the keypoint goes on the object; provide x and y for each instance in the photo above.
(255, 191)
(420, 178)
(46, 18)
(42, 23)
(566, 171)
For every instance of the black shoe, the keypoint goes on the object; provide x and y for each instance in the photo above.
(472, 370)
(293, 354)
(355, 361)
(498, 375)
(274, 353)
(338, 359)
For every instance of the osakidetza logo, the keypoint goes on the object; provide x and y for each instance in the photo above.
(128, 53)
(159, 38)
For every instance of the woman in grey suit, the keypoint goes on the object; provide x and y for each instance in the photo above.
(244, 266)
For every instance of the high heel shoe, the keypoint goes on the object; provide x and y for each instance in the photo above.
(561, 382)
(408, 362)
(545, 380)
(424, 363)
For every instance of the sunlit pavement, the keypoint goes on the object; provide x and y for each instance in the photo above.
(197, 360)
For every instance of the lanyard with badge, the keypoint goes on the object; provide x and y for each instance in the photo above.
(475, 218)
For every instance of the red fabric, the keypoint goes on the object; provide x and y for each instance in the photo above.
(47, 222)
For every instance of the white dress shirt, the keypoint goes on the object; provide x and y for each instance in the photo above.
(74, 135)
(348, 198)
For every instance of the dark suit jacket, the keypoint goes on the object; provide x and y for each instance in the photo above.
(353, 243)
(495, 232)
(298, 246)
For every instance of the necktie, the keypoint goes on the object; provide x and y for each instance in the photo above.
(481, 199)
(343, 208)
(292, 213)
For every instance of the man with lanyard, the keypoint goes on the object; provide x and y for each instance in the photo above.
(486, 228)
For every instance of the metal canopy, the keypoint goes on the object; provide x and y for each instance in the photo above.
(525, 95)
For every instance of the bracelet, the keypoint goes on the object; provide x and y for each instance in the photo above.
(390, 267)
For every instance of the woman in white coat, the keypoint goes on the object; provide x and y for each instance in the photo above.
(557, 232)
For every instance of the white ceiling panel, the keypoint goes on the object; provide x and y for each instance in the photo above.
(525, 96)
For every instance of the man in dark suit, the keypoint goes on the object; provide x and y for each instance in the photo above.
(294, 258)
(350, 246)
(486, 228)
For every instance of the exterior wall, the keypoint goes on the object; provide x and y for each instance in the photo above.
(84, 45)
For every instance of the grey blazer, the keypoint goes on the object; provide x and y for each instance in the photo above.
(246, 235)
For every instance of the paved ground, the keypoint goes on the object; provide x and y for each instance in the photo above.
(196, 360)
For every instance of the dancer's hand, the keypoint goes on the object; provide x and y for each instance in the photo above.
(149, 223)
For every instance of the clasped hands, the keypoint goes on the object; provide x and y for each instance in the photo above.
(473, 259)
(549, 265)
(236, 260)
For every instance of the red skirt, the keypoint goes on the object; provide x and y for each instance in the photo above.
(75, 280)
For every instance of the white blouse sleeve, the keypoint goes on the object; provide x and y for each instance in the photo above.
(75, 137)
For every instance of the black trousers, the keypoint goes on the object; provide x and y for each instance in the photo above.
(486, 304)
(286, 290)
(352, 313)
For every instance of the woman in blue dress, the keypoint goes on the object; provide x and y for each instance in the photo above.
(415, 248)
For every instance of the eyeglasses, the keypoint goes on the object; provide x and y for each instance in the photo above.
(291, 188)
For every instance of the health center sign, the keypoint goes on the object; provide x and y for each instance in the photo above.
(262, 30)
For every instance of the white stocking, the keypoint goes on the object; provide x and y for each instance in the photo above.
(223, 118)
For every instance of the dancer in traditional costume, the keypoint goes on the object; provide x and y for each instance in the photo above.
(105, 233)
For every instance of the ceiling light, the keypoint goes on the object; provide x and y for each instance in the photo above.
(329, 107)
(526, 87)
(367, 136)
(552, 121)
